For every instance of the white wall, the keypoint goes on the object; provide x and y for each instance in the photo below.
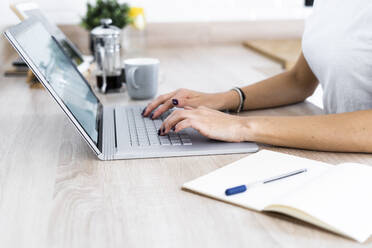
(69, 11)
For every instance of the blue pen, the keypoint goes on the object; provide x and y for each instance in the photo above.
(244, 187)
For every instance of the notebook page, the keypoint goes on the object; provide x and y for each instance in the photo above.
(259, 166)
(341, 198)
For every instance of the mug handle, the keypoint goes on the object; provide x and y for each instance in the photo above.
(131, 74)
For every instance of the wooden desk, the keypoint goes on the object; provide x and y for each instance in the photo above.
(55, 193)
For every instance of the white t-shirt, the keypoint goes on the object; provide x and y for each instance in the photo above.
(337, 45)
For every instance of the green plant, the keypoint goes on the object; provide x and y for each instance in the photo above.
(106, 9)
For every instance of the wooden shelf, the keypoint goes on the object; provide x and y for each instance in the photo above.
(285, 52)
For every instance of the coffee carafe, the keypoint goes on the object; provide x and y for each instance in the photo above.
(106, 42)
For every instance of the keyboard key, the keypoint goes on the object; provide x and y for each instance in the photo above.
(154, 143)
(144, 144)
(186, 142)
(157, 123)
(176, 142)
(165, 142)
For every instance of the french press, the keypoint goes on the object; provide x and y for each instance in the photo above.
(106, 42)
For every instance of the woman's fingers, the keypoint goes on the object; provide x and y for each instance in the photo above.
(181, 100)
(166, 101)
(163, 108)
(173, 119)
(210, 123)
(154, 104)
(186, 123)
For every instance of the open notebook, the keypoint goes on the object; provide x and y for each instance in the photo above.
(337, 198)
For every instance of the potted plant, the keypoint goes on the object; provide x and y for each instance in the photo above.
(118, 13)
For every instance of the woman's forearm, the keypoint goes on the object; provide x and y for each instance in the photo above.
(282, 89)
(286, 88)
(275, 91)
(347, 132)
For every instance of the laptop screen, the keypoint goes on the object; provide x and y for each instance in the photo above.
(57, 33)
(61, 75)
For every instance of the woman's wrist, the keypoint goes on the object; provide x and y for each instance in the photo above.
(264, 129)
(228, 100)
(247, 127)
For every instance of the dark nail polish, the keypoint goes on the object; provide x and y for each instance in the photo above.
(159, 132)
(175, 101)
(151, 115)
(163, 130)
(173, 129)
(143, 111)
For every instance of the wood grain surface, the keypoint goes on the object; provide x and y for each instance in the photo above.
(54, 192)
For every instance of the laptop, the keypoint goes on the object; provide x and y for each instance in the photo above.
(112, 132)
(30, 9)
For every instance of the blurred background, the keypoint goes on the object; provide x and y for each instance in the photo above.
(180, 22)
(69, 11)
(269, 28)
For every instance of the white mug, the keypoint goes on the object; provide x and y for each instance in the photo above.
(141, 76)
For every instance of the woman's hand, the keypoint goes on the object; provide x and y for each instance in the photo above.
(184, 97)
(210, 123)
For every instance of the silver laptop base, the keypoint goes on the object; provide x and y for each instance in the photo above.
(117, 134)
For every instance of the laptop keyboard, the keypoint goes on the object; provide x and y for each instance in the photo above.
(144, 131)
